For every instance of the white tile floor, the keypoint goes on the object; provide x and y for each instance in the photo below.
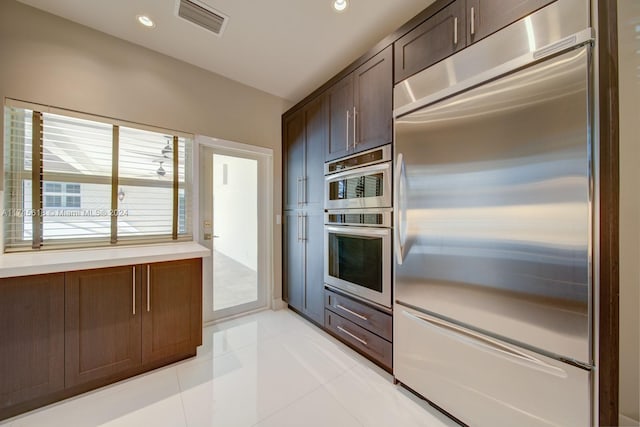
(268, 369)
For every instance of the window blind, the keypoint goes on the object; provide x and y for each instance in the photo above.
(72, 181)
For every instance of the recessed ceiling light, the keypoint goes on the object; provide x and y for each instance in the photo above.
(146, 21)
(340, 5)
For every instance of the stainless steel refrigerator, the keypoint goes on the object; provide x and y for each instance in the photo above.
(494, 185)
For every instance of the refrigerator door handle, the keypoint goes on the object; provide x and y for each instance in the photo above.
(487, 344)
(398, 221)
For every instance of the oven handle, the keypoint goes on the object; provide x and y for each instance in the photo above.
(358, 231)
(397, 212)
(367, 170)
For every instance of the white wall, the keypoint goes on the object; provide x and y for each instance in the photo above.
(629, 66)
(52, 61)
(235, 212)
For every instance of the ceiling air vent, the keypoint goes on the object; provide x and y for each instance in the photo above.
(202, 15)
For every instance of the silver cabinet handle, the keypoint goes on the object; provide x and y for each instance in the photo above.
(304, 227)
(347, 130)
(298, 226)
(355, 127)
(358, 315)
(473, 20)
(455, 30)
(298, 192)
(133, 291)
(148, 288)
(304, 190)
(344, 331)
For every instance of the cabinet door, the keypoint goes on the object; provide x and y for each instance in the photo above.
(293, 160)
(315, 120)
(491, 15)
(313, 236)
(438, 37)
(31, 338)
(171, 310)
(102, 323)
(340, 116)
(292, 258)
(373, 89)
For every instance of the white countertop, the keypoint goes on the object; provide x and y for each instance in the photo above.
(42, 262)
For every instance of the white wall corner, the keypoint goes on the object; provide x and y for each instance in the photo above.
(278, 304)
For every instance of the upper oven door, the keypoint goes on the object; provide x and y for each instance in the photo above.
(366, 187)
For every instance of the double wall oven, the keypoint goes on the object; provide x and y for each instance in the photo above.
(357, 232)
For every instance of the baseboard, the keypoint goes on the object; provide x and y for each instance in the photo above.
(278, 304)
(627, 422)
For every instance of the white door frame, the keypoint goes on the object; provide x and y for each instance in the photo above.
(265, 211)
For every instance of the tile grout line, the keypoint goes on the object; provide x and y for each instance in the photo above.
(288, 405)
(342, 405)
(184, 409)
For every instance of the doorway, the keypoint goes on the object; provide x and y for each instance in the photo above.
(234, 223)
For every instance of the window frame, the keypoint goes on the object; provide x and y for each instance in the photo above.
(14, 240)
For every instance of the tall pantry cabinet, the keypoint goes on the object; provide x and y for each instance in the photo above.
(303, 185)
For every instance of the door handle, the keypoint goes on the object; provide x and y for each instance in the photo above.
(148, 288)
(344, 331)
(304, 227)
(298, 192)
(347, 130)
(355, 127)
(398, 212)
(304, 190)
(353, 313)
(298, 227)
(473, 20)
(455, 30)
(133, 291)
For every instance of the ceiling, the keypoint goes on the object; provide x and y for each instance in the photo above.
(284, 47)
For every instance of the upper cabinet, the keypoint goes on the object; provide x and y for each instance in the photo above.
(488, 16)
(360, 108)
(454, 27)
(436, 38)
(305, 136)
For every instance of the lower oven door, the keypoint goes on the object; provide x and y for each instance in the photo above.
(358, 261)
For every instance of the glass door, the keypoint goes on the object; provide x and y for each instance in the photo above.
(230, 226)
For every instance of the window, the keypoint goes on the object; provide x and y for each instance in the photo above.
(86, 181)
(61, 195)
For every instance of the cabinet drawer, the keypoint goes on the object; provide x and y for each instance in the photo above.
(367, 317)
(372, 345)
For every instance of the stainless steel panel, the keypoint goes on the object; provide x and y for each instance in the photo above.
(485, 382)
(492, 207)
(522, 41)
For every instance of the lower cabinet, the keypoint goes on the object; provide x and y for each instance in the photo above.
(171, 312)
(31, 338)
(102, 323)
(363, 327)
(66, 333)
(303, 260)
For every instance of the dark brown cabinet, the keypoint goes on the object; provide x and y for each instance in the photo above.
(488, 16)
(66, 333)
(303, 263)
(303, 217)
(360, 108)
(435, 39)
(102, 323)
(31, 339)
(454, 27)
(172, 310)
(365, 328)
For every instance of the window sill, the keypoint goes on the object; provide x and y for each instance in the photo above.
(30, 263)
